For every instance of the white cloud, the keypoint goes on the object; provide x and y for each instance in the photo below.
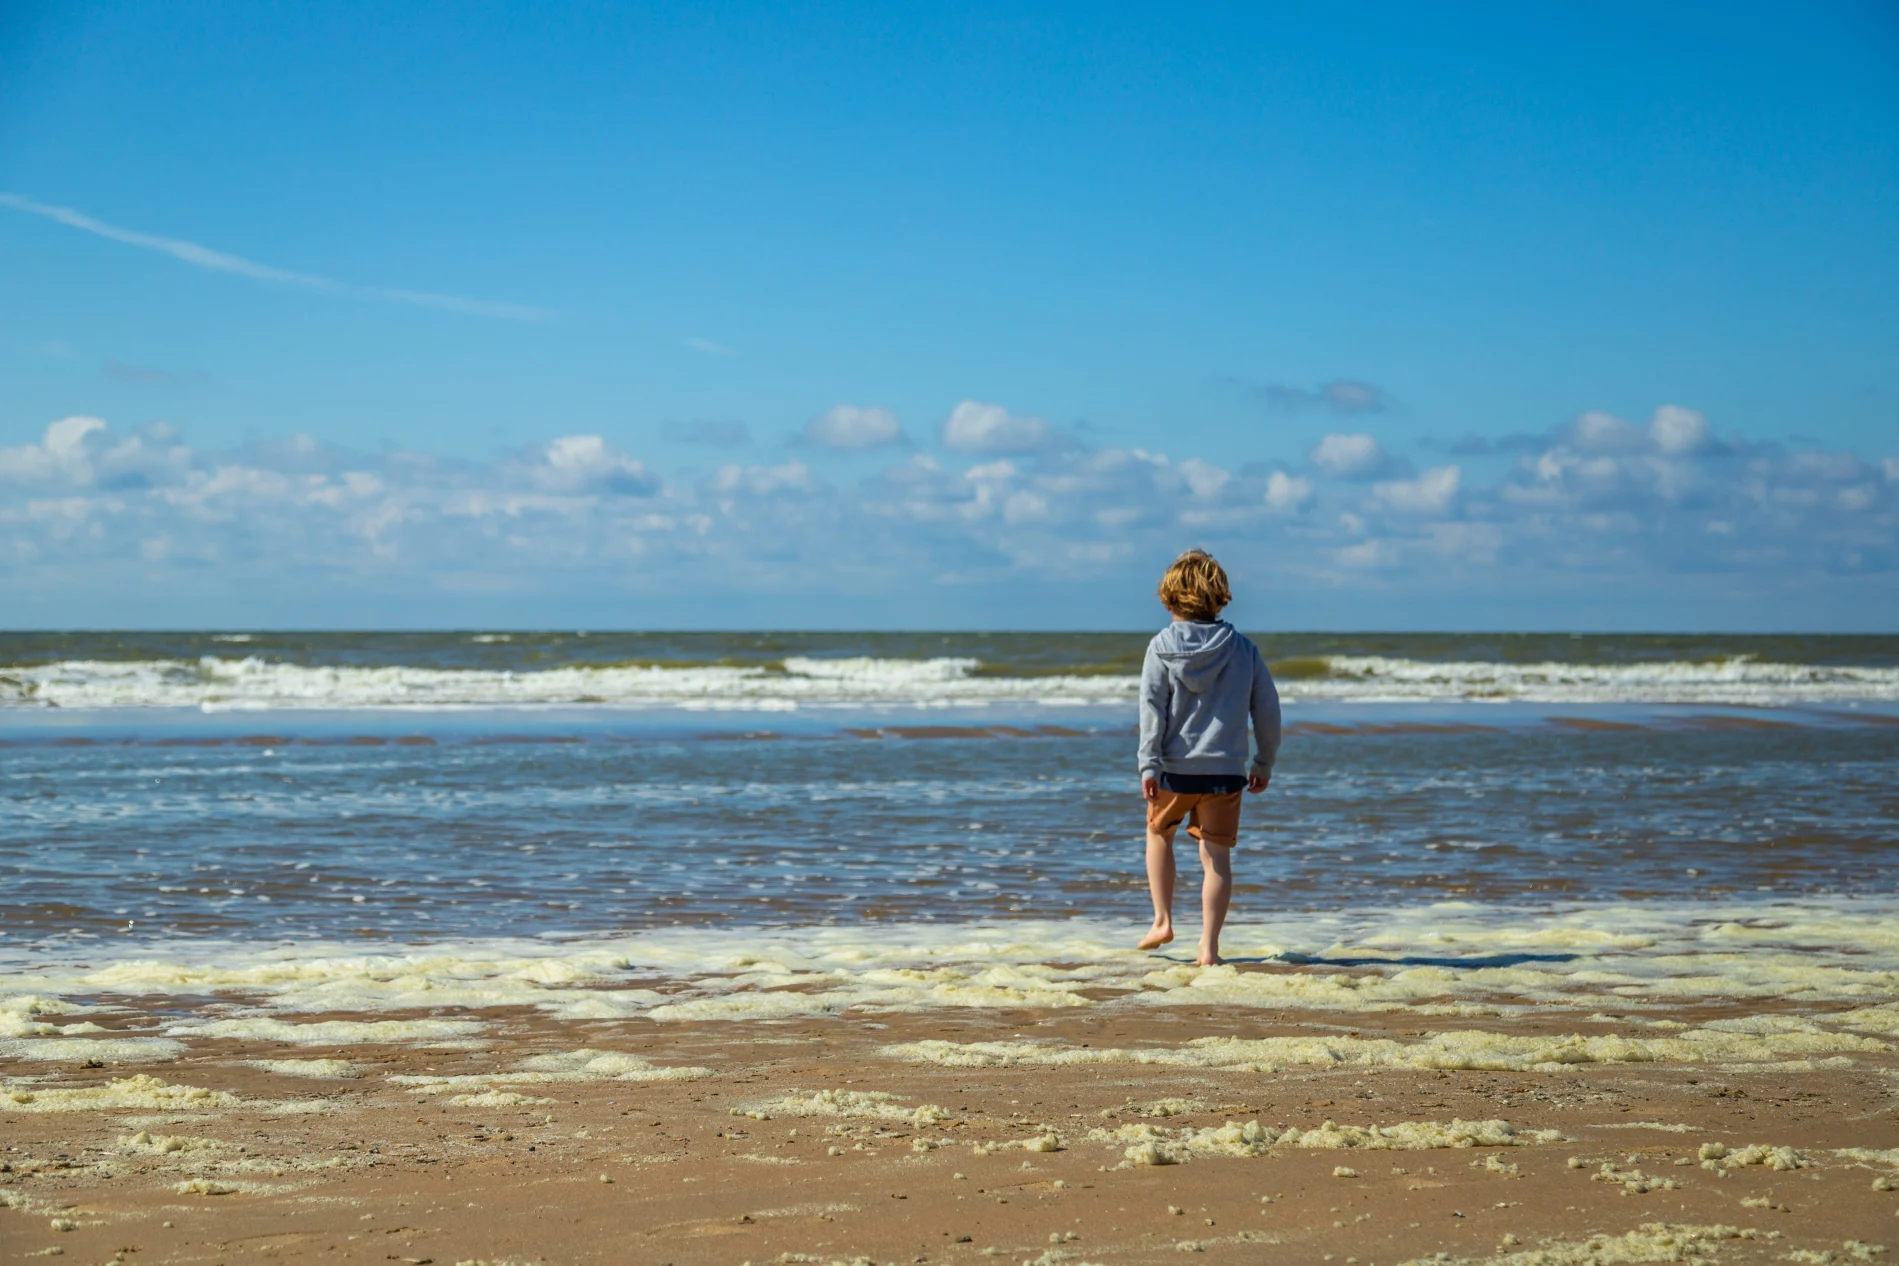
(1352, 457)
(975, 427)
(1433, 492)
(1287, 494)
(1672, 431)
(1204, 478)
(1595, 432)
(1369, 555)
(224, 262)
(853, 426)
(79, 452)
(764, 481)
(1678, 431)
(588, 465)
(61, 453)
(83, 503)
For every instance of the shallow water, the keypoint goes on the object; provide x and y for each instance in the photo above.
(122, 830)
(751, 825)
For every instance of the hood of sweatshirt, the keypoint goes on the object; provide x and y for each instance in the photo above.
(1194, 654)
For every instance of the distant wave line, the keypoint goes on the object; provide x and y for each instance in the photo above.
(255, 682)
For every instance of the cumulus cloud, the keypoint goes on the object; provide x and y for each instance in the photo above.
(764, 481)
(975, 427)
(1672, 431)
(588, 465)
(851, 426)
(1433, 492)
(87, 505)
(61, 455)
(1676, 431)
(1353, 457)
(1287, 494)
(80, 452)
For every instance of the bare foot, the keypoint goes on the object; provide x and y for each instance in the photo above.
(1210, 958)
(1156, 937)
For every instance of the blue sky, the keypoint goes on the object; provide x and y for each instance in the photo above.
(881, 314)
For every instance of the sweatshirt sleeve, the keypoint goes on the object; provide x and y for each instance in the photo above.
(1265, 716)
(1156, 696)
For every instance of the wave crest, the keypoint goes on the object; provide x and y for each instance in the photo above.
(252, 682)
(214, 682)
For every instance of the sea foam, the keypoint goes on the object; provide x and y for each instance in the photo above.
(1836, 961)
(252, 682)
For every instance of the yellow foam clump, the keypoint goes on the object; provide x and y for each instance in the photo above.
(1883, 1019)
(581, 1065)
(140, 1091)
(1850, 1251)
(204, 1187)
(1419, 1135)
(593, 1065)
(338, 1068)
(850, 1103)
(1048, 1141)
(17, 1012)
(1459, 1049)
(165, 1144)
(92, 1050)
(1158, 1145)
(1651, 1242)
(1777, 1158)
(751, 1005)
(329, 1032)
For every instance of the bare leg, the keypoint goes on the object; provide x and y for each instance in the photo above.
(1160, 886)
(1216, 890)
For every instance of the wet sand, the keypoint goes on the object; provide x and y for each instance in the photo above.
(781, 1148)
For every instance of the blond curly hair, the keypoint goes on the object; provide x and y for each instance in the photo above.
(1195, 587)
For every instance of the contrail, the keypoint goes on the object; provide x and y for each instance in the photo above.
(220, 261)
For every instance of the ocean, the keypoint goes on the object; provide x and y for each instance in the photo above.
(677, 802)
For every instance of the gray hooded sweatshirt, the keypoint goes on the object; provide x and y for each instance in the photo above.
(1199, 684)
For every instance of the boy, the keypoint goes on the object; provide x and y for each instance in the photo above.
(1199, 683)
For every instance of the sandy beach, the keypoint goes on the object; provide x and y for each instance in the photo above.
(1060, 1134)
(1526, 982)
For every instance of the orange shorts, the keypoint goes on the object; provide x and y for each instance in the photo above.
(1213, 819)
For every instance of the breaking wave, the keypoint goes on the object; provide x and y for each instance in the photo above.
(220, 683)
(253, 682)
(1735, 680)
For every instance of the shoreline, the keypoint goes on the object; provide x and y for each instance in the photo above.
(1561, 1092)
